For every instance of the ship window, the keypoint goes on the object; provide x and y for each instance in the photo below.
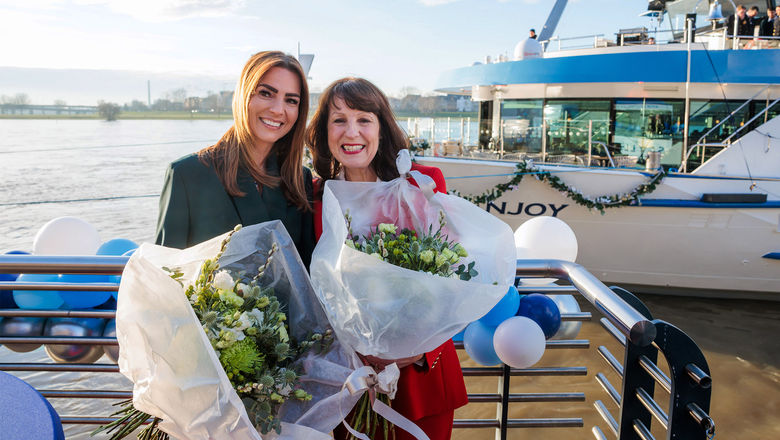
(568, 125)
(645, 125)
(485, 119)
(521, 123)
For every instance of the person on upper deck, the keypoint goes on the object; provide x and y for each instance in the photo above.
(354, 136)
(532, 34)
(744, 25)
(253, 174)
(752, 14)
(776, 25)
(767, 23)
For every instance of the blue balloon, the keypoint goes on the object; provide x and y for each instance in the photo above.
(117, 246)
(83, 299)
(478, 342)
(116, 279)
(38, 299)
(506, 308)
(459, 336)
(7, 296)
(542, 310)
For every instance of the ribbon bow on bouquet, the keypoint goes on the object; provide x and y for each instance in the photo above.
(366, 379)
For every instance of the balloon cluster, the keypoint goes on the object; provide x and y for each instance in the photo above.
(515, 330)
(73, 237)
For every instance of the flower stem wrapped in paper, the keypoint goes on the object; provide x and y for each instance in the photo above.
(380, 309)
(221, 348)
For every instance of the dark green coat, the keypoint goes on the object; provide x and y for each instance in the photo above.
(194, 206)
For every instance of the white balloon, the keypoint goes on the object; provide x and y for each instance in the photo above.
(519, 342)
(567, 304)
(545, 238)
(66, 236)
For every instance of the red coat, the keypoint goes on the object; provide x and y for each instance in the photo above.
(431, 392)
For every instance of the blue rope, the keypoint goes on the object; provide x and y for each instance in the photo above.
(511, 174)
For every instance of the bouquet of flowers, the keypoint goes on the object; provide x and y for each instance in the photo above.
(415, 294)
(245, 325)
(221, 348)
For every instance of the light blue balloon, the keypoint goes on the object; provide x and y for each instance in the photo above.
(7, 296)
(38, 299)
(505, 309)
(116, 246)
(478, 342)
(84, 299)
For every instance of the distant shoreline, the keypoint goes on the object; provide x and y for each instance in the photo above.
(213, 116)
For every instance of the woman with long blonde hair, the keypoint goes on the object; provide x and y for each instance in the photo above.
(254, 173)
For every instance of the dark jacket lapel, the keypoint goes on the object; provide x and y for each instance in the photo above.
(256, 208)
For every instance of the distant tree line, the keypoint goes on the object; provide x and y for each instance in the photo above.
(411, 101)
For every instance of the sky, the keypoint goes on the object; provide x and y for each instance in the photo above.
(397, 44)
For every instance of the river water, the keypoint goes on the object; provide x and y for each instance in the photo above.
(110, 174)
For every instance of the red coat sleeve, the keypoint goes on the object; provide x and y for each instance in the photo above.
(432, 172)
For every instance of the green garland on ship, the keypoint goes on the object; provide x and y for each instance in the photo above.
(600, 203)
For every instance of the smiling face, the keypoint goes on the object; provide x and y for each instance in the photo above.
(353, 140)
(273, 108)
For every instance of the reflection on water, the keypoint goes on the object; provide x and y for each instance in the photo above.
(123, 163)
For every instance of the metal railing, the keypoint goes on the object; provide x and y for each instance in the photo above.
(624, 317)
(701, 145)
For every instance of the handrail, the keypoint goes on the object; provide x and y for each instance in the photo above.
(606, 149)
(688, 384)
(638, 329)
(749, 100)
(684, 165)
(747, 124)
(100, 265)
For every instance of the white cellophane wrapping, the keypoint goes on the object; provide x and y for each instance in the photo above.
(176, 373)
(390, 312)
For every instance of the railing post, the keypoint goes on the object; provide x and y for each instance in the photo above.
(634, 377)
(590, 140)
(691, 384)
(503, 385)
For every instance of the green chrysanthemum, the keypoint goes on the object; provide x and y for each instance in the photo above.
(241, 356)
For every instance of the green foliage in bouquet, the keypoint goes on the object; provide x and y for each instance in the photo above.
(245, 323)
(430, 252)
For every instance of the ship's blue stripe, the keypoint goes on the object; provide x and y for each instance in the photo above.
(675, 203)
(666, 66)
(773, 255)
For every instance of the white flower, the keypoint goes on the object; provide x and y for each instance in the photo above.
(244, 321)
(256, 315)
(243, 288)
(223, 280)
(231, 334)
